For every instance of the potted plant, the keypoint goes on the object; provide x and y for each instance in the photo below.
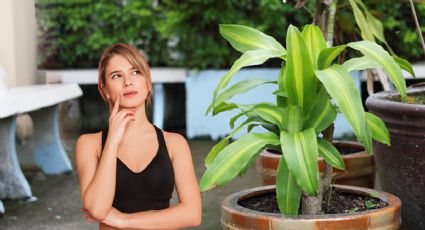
(360, 166)
(400, 166)
(310, 90)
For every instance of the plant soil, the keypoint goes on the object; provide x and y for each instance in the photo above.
(411, 99)
(340, 202)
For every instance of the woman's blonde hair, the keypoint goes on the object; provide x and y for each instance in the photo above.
(136, 60)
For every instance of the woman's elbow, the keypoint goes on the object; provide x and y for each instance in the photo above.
(196, 220)
(97, 213)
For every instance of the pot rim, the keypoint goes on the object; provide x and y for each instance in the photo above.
(379, 101)
(231, 204)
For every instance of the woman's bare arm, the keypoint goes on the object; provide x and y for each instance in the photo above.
(97, 178)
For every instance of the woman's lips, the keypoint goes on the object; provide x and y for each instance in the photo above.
(130, 94)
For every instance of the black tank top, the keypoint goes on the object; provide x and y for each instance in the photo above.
(149, 189)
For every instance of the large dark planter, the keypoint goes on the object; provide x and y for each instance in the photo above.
(359, 166)
(401, 166)
(234, 216)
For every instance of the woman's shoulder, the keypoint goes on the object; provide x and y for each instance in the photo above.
(174, 141)
(89, 141)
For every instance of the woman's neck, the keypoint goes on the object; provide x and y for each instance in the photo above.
(141, 124)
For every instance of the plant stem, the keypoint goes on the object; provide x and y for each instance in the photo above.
(412, 6)
(331, 23)
(312, 205)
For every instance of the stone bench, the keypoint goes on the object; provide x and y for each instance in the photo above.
(41, 102)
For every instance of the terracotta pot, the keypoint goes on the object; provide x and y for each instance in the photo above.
(234, 216)
(360, 167)
(401, 166)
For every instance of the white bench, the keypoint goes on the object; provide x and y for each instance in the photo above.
(41, 102)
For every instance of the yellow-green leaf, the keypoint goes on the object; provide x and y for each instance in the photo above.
(315, 42)
(341, 87)
(300, 151)
(299, 78)
(234, 157)
(383, 58)
(287, 190)
(378, 128)
(330, 154)
(244, 38)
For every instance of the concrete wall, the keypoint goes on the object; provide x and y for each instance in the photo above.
(18, 42)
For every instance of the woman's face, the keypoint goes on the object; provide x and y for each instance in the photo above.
(122, 78)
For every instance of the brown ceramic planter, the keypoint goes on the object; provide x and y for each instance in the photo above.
(401, 166)
(360, 167)
(235, 217)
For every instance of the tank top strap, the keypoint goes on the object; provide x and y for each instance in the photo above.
(161, 141)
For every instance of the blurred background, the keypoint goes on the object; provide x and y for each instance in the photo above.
(50, 42)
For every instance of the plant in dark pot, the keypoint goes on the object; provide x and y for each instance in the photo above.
(310, 89)
(400, 166)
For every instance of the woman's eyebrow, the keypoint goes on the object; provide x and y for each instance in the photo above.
(116, 71)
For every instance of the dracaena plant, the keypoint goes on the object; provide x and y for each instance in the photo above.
(310, 89)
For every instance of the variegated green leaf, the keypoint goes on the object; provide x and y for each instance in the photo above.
(366, 139)
(330, 154)
(360, 63)
(244, 38)
(322, 114)
(366, 32)
(234, 157)
(215, 150)
(270, 113)
(300, 82)
(328, 55)
(281, 92)
(378, 128)
(282, 97)
(315, 42)
(341, 87)
(223, 107)
(249, 58)
(373, 24)
(300, 151)
(240, 87)
(404, 64)
(293, 119)
(287, 190)
(383, 58)
(224, 142)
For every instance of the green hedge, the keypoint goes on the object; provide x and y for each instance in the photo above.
(73, 33)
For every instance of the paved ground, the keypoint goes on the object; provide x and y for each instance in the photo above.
(58, 200)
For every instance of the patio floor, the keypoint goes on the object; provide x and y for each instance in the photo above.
(58, 197)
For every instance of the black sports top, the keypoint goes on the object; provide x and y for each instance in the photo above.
(149, 189)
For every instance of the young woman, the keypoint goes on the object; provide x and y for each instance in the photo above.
(128, 171)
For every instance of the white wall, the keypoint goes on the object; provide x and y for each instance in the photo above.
(18, 42)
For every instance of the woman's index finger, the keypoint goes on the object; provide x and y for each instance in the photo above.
(116, 105)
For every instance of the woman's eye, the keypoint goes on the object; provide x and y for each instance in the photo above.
(136, 72)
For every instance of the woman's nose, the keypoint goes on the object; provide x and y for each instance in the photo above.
(127, 81)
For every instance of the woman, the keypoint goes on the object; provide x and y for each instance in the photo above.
(128, 171)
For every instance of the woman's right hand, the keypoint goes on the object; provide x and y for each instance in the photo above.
(118, 122)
